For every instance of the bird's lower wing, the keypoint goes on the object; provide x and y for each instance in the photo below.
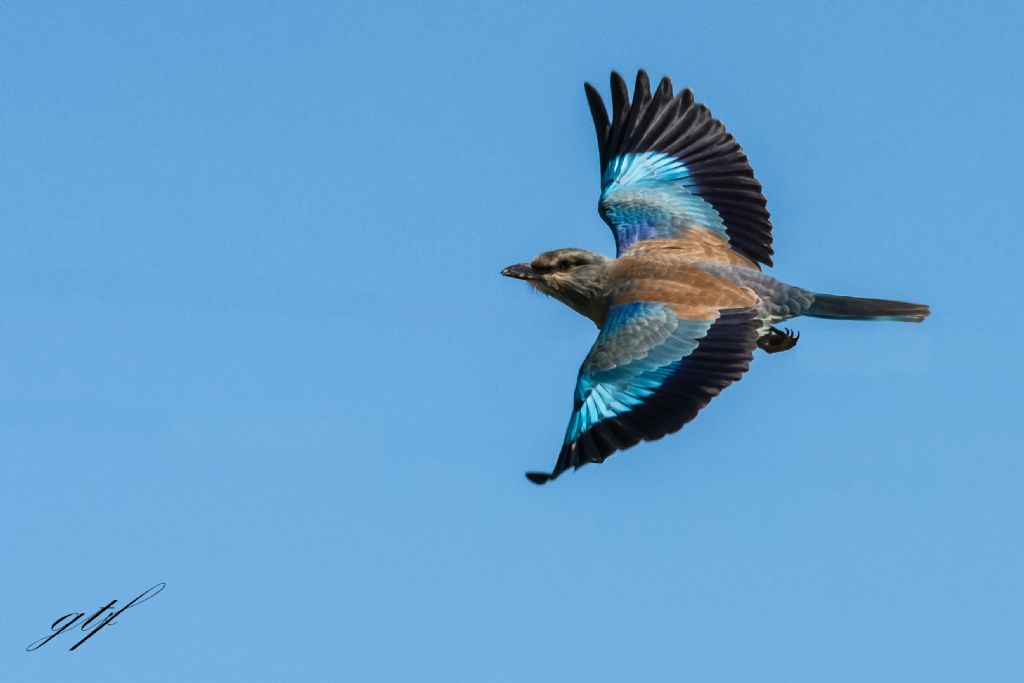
(654, 366)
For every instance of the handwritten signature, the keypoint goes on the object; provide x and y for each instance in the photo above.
(70, 619)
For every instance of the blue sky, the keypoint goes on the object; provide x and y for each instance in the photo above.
(255, 345)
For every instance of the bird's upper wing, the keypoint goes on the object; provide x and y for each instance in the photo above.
(668, 166)
(668, 346)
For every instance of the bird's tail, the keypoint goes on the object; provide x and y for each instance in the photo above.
(856, 308)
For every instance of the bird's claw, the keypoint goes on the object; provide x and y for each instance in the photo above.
(777, 340)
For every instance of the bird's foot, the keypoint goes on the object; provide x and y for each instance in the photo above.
(778, 340)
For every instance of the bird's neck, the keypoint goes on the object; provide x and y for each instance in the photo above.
(588, 293)
(594, 308)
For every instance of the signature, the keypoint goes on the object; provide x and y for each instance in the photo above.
(71, 619)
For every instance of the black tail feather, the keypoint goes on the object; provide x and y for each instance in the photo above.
(857, 308)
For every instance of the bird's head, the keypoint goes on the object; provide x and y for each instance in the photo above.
(576, 277)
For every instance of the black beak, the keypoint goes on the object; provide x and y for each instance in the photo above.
(520, 271)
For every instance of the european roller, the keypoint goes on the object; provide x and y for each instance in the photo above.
(684, 304)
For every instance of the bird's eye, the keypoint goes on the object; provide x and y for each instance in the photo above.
(564, 266)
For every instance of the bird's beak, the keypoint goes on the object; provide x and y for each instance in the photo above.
(520, 271)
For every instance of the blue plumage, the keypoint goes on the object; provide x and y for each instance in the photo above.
(652, 195)
(639, 347)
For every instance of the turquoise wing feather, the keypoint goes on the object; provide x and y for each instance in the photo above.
(668, 166)
(649, 373)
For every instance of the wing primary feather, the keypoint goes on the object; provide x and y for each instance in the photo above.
(652, 108)
(620, 109)
(678, 120)
(601, 123)
(661, 120)
(665, 87)
(641, 95)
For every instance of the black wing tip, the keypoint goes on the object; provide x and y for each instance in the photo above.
(665, 87)
(643, 81)
(540, 478)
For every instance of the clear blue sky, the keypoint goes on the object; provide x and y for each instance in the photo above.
(254, 345)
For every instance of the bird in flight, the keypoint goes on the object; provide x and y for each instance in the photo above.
(684, 303)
